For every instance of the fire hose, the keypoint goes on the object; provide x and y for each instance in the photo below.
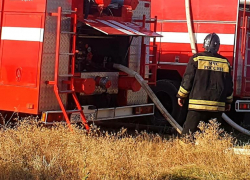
(151, 94)
(163, 110)
(189, 26)
(193, 47)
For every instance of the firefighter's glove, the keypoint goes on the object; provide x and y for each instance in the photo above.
(181, 101)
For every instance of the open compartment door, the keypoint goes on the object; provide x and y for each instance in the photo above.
(112, 27)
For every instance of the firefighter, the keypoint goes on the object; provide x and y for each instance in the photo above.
(207, 83)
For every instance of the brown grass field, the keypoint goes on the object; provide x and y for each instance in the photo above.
(33, 152)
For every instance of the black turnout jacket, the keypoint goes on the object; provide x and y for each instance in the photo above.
(207, 82)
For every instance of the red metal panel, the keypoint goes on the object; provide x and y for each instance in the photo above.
(197, 27)
(217, 28)
(23, 62)
(79, 5)
(220, 10)
(19, 64)
(18, 98)
(24, 6)
(1, 11)
(32, 20)
(207, 16)
(21, 48)
(1, 5)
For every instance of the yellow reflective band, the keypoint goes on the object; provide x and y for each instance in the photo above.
(213, 66)
(210, 103)
(203, 107)
(208, 58)
(182, 94)
(183, 90)
(196, 59)
(230, 97)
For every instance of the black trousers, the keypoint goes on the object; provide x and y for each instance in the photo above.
(194, 117)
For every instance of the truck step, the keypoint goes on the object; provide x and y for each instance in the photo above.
(68, 12)
(66, 75)
(69, 54)
(67, 111)
(66, 92)
(151, 46)
(68, 32)
(73, 111)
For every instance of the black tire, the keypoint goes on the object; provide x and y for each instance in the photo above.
(166, 92)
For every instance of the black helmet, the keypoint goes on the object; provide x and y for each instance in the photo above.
(211, 43)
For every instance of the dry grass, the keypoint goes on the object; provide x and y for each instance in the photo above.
(33, 152)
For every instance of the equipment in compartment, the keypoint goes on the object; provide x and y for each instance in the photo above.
(97, 52)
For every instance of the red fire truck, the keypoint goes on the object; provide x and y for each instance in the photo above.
(184, 25)
(57, 56)
(57, 63)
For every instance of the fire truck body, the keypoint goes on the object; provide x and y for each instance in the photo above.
(38, 46)
(174, 48)
(48, 53)
(207, 17)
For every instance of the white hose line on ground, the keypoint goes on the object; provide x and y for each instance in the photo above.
(234, 125)
(151, 94)
(189, 26)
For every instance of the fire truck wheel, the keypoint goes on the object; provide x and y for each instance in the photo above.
(166, 91)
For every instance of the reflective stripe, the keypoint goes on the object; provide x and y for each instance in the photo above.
(183, 90)
(204, 107)
(209, 58)
(210, 103)
(183, 37)
(213, 66)
(182, 94)
(230, 97)
(22, 34)
(196, 59)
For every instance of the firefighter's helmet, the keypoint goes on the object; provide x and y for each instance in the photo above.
(212, 43)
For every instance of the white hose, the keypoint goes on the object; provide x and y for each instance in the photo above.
(234, 125)
(151, 94)
(189, 26)
(243, 2)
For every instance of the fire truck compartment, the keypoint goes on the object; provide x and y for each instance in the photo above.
(97, 52)
(101, 42)
(119, 28)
